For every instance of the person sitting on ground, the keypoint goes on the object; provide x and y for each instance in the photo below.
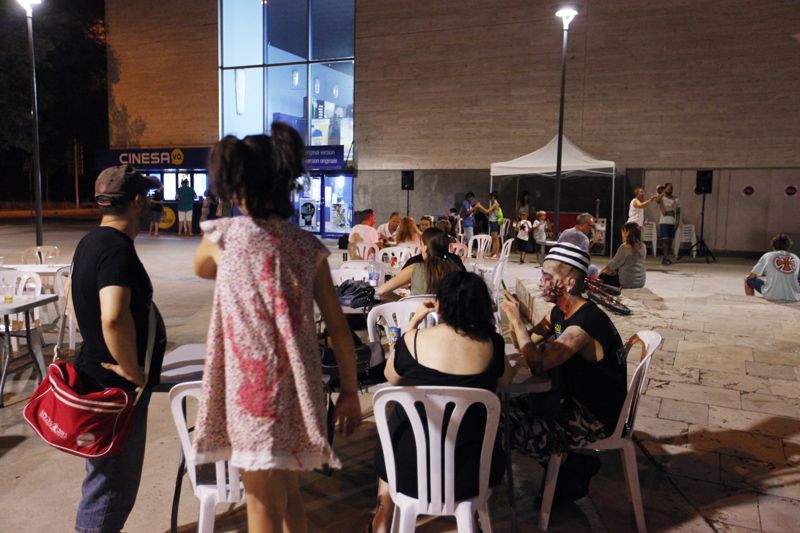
(780, 267)
(364, 231)
(588, 351)
(425, 223)
(408, 233)
(627, 268)
(388, 230)
(423, 276)
(524, 236)
(462, 350)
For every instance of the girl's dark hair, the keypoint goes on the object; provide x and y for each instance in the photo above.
(466, 305)
(437, 266)
(259, 170)
(523, 195)
(634, 233)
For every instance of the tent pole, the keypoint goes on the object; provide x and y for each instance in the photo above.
(613, 196)
(491, 182)
(516, 196)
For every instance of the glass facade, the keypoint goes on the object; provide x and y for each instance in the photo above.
(291, 61)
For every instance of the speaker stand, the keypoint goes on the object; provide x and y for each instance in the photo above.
(408, 202)
(700, 246)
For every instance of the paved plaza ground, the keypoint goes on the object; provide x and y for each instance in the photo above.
(718, 427)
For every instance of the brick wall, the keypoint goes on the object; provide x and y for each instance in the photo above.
(457, 84)
(162, 66)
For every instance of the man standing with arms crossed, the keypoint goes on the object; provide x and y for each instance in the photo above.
(112, 296)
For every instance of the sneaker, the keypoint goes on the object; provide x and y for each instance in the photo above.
(665, 261)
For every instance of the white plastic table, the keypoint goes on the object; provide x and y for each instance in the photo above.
(22, 304)
(42, 270)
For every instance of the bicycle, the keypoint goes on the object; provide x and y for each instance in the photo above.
(605, 295)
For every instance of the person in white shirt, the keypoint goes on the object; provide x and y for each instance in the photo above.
(637, 205)
(524, 235)
(670, 219)
(388, 230)
(780, 268)
(363, 232)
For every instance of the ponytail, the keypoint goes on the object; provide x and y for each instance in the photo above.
(259, 171)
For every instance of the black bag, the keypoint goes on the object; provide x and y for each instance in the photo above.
(356, 294)
(370, 360)
(344, 240)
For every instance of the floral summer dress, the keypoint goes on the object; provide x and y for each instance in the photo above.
(262, 405)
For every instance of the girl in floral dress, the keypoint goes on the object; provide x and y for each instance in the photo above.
(262, 407)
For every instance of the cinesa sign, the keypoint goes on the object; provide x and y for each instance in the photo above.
(160, 157)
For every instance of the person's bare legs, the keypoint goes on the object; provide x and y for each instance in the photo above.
(384, 509)
(495, 244)
(274, 503)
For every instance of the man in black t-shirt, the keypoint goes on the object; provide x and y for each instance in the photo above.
(112, 296)
(589, 355)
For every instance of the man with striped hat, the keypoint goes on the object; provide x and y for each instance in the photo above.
(588, 352)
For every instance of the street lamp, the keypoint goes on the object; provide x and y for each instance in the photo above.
(566, 14)
(37, 174)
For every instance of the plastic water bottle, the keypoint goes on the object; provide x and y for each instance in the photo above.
(372, 273)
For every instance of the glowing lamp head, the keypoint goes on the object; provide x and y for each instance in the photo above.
(28, 5)
(566, 14)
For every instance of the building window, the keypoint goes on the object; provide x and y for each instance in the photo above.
(291, 61)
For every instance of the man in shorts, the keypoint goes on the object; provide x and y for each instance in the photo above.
(590, 357)
(186, 198)
(670, 219)
(775, 274)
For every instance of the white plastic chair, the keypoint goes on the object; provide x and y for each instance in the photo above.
(62, 286)
(649, 235)
(622, 438)
(483, 244)
(460, 249)
(227, 487)
(413, 249)
(435, 401)
(355, 264)
(401, 252)
(394, 314)
(504, 229)
(505, 251)
(684, 234)
(39, 255)
(342, 275)
(24, 284)
(366, 250)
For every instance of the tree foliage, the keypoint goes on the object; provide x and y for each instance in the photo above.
(69, 41)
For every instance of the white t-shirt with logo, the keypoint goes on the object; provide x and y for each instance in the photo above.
(523, 230)
(780, 268)
(669, 208)
(540, 230)
(367, 234)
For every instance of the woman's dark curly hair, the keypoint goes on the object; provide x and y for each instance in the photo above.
(259, 170)
(466, 305)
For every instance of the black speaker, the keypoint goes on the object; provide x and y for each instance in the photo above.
(703, 183)
(407, 180)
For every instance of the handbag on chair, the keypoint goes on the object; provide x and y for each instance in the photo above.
(94, 424)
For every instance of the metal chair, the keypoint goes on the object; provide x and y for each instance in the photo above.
(621, 439)
(440, 453)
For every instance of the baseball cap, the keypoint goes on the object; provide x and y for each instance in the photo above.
(117, 184)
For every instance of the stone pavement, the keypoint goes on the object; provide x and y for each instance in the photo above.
(719, 425)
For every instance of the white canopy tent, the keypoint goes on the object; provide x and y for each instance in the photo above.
(542, 162)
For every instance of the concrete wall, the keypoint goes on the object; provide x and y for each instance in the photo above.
(457, 84)
(162, 69)
(734, 221)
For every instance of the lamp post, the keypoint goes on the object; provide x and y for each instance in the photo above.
(566, 14)
(37, 174)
